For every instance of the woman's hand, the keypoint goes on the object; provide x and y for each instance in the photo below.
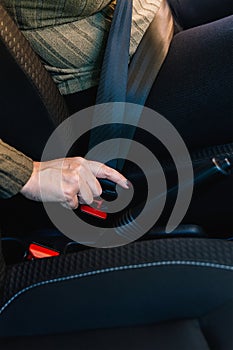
(69, 181)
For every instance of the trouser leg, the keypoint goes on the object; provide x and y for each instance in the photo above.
(194, 91)
(190, 13)
(194, 87)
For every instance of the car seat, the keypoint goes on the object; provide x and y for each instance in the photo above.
(155, 294)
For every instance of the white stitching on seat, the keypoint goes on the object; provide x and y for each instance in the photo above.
(117, 268)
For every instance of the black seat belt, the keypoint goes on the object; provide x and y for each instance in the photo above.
(124, 82)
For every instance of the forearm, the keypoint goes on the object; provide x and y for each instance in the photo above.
(15, 170)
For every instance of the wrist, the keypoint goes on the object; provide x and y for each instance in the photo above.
(28, 187)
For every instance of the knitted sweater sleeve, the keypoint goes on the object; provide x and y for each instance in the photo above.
(15, 170)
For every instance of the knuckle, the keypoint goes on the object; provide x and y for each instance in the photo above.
(98, 189)
(107, 170)
(80, 168)
(65, 174)
(79, 160)
(75, 177)
(89, 200)
(68, 196)
(68, 192)
(73, 204)
(72, 177)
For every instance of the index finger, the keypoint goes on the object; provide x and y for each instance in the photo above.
(103, 171)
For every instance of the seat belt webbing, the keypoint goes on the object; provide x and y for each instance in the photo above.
(121, 82)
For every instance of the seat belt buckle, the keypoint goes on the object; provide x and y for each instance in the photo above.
(98, 208)
(94, 210)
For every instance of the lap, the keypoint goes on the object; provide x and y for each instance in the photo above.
(194, 87)
(190, 13)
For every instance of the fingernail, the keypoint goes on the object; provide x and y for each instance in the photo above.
(128, 184)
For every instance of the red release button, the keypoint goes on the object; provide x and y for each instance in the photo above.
(37, 251)
(94, 212)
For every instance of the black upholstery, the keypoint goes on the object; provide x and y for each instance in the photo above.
(182, 285)
(185, 334)
(180, 335)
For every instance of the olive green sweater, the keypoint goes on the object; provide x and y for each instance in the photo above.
(15, 170)
(70, 35)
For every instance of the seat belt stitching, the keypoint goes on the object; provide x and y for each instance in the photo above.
(117, 268)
